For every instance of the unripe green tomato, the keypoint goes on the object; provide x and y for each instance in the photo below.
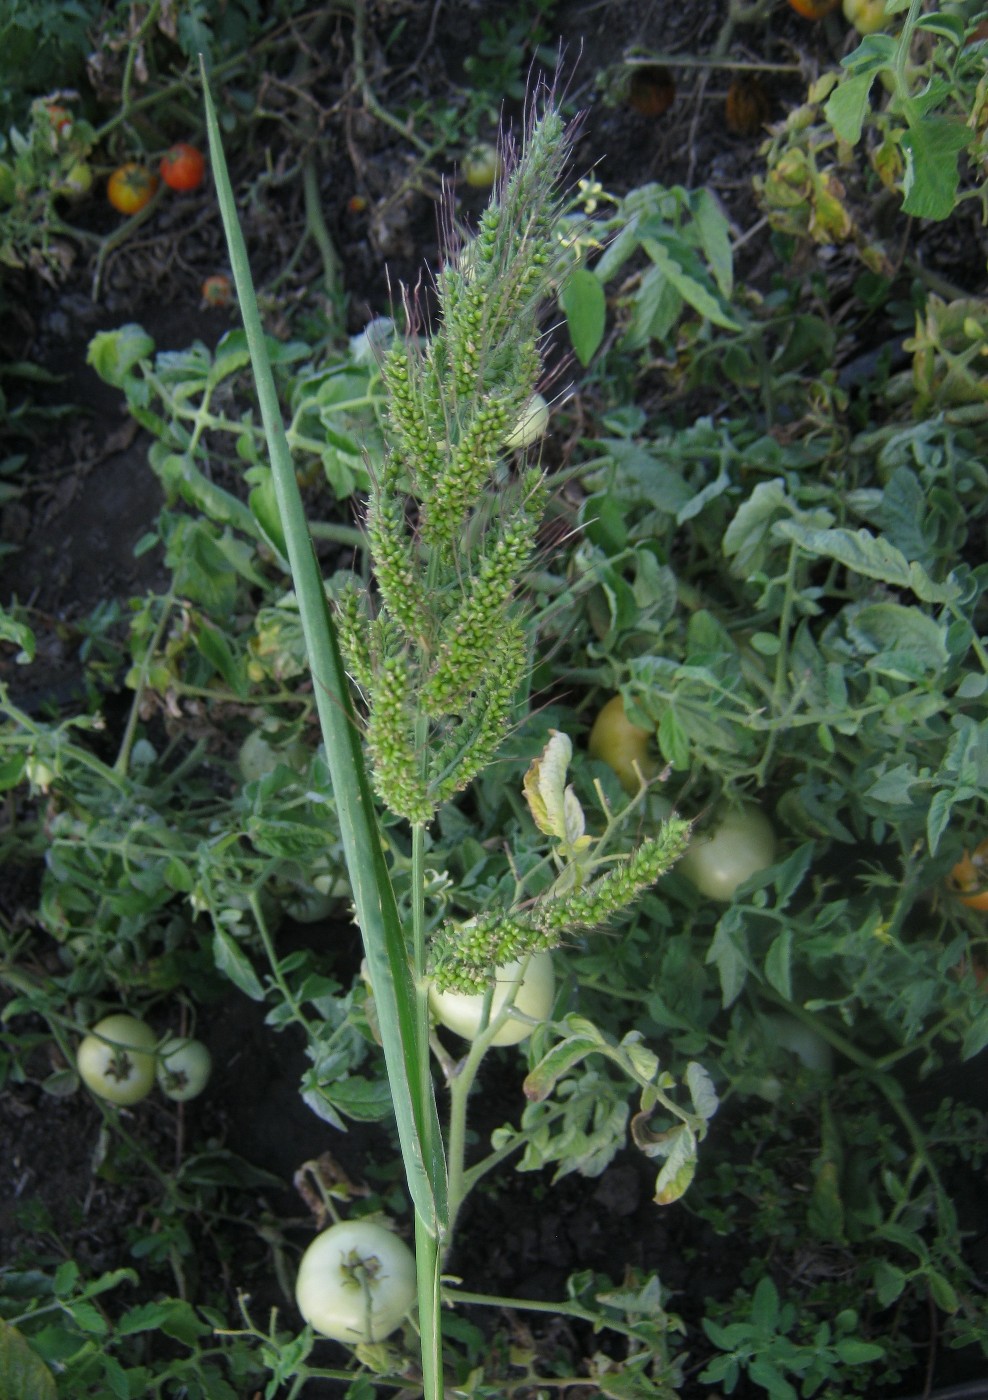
(258, 756)
(532, 423)
(76, 181)
(622, 745)
(867, 16)
(356, 1282)
(461, 1011)
(122, 1072)
(183, 1068)
(802, 1041)
(739, 843)
(482, 165)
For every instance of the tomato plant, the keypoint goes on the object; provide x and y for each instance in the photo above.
(183, 1068)
(969, 877)
(814, 9)
(182, 167)
(482, 165)
(867, 16)
(131, 187)
(623, 746)
(116, 1059)
(461, 1012)
(356, 1282)
(739, 843)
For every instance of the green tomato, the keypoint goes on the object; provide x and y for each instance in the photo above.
(532, 423)
(482, 165)
(622, 745)
(867, 16)
(802, 1041)
(258, 756)
(116, 1059)
(183, 1068)
(738, 844)
(461, 1012)
(76, 181)
(356, 1282)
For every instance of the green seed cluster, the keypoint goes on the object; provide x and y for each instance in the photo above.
(397, 769)
(354, 635)
(465, 646)
(439, 652)
(466, 955)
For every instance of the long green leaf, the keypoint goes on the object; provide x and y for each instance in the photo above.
(377, 911)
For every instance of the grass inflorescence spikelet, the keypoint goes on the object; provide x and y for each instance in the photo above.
(439, 647)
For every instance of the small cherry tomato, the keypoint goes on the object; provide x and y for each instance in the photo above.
(183, 1068)
(651, 90)
(182, 167)
(814, 9)
(622, 745)
(217, 290)
(969, 878)
(867, 16)
(356, 1282)
(76, 181)
(738, 844)
(130, 188)
(482, 165)
(746, 108)
(60, 122)
(116, 1059)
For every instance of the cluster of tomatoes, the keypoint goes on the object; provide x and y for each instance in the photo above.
(120, 1059)
(132, 185)
(866, 15)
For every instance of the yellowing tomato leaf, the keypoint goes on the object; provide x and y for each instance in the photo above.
(23, 1374)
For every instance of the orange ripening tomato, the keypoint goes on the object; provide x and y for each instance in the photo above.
(969, 878)
(651, 90)
(814, 9)
(131, 187)
(746, 107)
(182, 167)
(217, 290)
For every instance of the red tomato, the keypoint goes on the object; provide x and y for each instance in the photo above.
(969, 877)
(814, 9)
(60, 119)
(130, 187)
(182, 167)
(217, 290)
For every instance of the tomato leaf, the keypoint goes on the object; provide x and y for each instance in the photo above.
(931, 147)
(870, 555)
(23, 1374)
(234, 963)
(585, 305)
(778, 964)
